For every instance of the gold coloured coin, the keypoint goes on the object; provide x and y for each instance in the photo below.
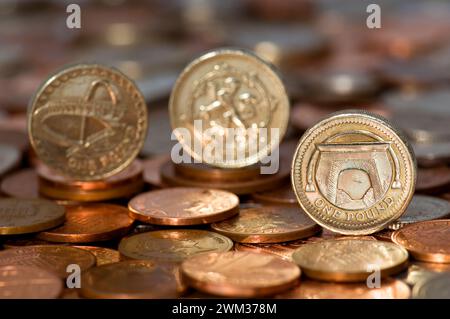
(350, 260)
(354, 173)
(87, 122)
(228, 89)
(21, 216)
(173, 245)
(267, 224)
(183, 206)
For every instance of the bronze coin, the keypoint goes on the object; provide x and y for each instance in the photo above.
(282, 250)
(103, 255)
(201, 171)
(90, 223)
(268, 224)
(239, 274)
(9, 158)
(135, 279)
(25, 282)
(426, 241)
(51, 258)
(433, 179)
(152, 167)
(173, 245)
(282, 195)
(311, 289)
(192, 206)
(21, 184)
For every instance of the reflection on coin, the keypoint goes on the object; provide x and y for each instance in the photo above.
(239, 274)
(103, 255)
(25, 282)
(349, 260)
(90, 223)
(427, 241)
(422, 208)
(268, 224)
(434, 287)
(229, 89)
(131, 280)
(28, 215)
(52, 258)
(21, 184)
(9, 158)
(88, 122)
(183, 206)
(353, 173)
(173, 245)
(282, 195)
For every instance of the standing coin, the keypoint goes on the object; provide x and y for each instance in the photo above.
(103, 255)
(52, 258)
(422, 208)
(353, 173)
(267, 224)
(349, 260)
(28, 215)
(88, 122)
(25, 282)
(192, 206)
(435, 287)
(426, 241)
(224, 91)
(239, 274)
(90, 223)
(173, 245)
(132, 279)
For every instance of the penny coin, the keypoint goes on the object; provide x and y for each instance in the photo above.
(282, 195)
(384, 235)
(311, 289)
(349, 260)
(25, 282)
(152, 167)
(227, 91)
(426, 241)
(132, 279)
(239, 274)
(267, 224)
(422, 208)
(87, 122)
(52, 258)
(90, 223)
(173, 245)
(353, 173)
(282, 250)
(9, 158)
(21, 184)
(434, 287)
(28, 215)
(433, 180)
(103, 255)
(202, 171)
(192, 206)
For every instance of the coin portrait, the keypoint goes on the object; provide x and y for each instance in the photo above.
(353, 173)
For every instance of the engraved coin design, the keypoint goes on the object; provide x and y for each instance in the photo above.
(349, 260)
(353, 173)
(173, 245)
(88, 122)
(229, 89)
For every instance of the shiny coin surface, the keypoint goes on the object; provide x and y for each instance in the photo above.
(9, 158)
(353, 173)
(90, 223)
(239, 274)
(426, 241)
(223, 90)
(422, 208)
(183, 206)
(29, 215)
(282, 195)
(173, 245)
(434, 287)
(51, 258)
(267, 224)
(103, 255)
(88, 122)
(349, 260)
(132, 280)
(25, 282)
(311, 289)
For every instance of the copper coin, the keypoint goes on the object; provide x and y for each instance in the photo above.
(239, 274)
(384, 235)
(422, 208)
(310, 289)
(103, 255)
(426, 241)
(26, 241)
(132, 280)
(152, 167)
(173, 245)
(268, 224)
(434, 287)
(9, 158)
(21, 184)
(282, 195)
(25, 282)
(90, 223)
(282, 250)
(51, 258)
(201, 171)
(433, 180)
(183, 206)
(29, 215)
